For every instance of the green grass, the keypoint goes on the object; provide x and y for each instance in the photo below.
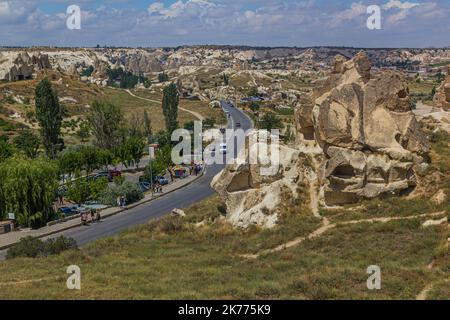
(173, 259)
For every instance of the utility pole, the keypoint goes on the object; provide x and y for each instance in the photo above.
(151, 152)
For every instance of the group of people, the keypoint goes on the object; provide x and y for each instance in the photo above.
(94, 217)
(157, 187)
(195, 168)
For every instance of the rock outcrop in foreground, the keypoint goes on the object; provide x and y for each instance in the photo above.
(254, 196)
(368, 133)
(442, 97)
(368, 141)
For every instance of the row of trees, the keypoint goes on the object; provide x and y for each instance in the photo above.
(126, 79)
(28, 184)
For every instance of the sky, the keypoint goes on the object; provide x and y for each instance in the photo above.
(301, 23)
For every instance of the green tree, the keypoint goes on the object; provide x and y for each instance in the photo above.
(134, 147)
(170, 104)
(254, 106)
(106, 120)
(147, 126)
(84, 131)
(49, 114)
(79, 190)
(27, 188)
(163, 77)
(28, 143)
(160, 164)
(270, 121)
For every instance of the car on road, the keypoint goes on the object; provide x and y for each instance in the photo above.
(238, 124)
(223, 148)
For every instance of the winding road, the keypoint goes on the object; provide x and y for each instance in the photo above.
(195, 192)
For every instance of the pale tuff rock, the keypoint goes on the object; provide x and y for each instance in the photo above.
(178, 213)
(221, 93)
(442, 97)
(369, 135)
(215, 104)
(21, 65)
(253, 198)
(357, 139)
(440, 197)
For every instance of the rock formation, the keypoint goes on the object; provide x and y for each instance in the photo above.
(357, 139)
(254, 197)
(442, 97)
(367, 131)
(21, 65)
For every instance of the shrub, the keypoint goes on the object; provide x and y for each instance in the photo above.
(129, 190)
(30, 247)
(60, 244)
(27, 247)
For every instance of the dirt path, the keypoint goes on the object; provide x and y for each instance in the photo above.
(326, 226)
(195, 114)
(424, 293)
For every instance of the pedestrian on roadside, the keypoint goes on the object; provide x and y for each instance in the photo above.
(84, 221)
(98, 216)
(119, 201)
(93, 214)
(171, 175)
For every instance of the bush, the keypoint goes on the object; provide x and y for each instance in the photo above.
(30, 247)
(58, 245)
(129, 190)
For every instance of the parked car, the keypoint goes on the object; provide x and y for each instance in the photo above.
(69, 211)
(144, 186)
(163, 181)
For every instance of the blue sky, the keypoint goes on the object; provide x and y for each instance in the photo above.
(147, 23)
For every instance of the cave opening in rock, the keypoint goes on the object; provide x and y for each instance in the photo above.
(344, 171)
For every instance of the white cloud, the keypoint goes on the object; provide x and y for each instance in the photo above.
(392, 4)
(180, 8)
(356, 10)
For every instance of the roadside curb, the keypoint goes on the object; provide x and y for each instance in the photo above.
(113, 213)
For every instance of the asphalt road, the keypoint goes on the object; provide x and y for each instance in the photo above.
(195, 192)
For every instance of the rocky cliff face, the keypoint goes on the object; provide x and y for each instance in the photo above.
(367, 131)
(254, 197)
(442, 97)
(360, 136)
(22, 65)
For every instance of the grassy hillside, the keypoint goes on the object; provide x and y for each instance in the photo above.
(202, 257)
